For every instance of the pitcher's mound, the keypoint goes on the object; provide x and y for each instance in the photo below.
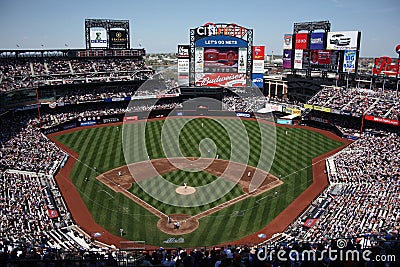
(185, 191)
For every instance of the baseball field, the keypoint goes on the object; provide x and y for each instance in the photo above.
(104, 149)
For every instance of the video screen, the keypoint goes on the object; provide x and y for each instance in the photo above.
(321, 59)
(222, 60)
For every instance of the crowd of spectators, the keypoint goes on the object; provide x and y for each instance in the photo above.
(100, 93)
(364, 192)
(33, 72)
(24, 147)
(61, 115)
(23, 212)
(375, 101)
(362, 199)
(251, 100)
(369, 160)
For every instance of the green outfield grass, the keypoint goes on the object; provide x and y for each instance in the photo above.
(195, 179)
(102, 148)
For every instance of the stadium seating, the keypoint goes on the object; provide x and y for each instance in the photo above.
(361, 200)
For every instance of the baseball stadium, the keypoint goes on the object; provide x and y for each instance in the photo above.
(218, 158)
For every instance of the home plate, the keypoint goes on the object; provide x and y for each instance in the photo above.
(185, 191)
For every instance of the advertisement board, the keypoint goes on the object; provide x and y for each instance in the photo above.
(130, 118)
(98, 38)
(118, 39)
(220, 79)
(183, 65)
(287, 59)
(386, 66)
(287, 41)
(242, 60)
(199, 59)
(317, 40)
(87, 123)
(381, 120)
(283, 121)
(347, 40)
(243, 114)
(349, 61)
(308, 106)
(183, 51)
(301, 41)
(183, 80)
(298, 59)
(258, 66)
(258, 79)
(258, 52)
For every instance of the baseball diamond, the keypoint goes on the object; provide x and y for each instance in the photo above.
(101, 147)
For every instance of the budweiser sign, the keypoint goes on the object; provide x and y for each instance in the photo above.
(221, 79)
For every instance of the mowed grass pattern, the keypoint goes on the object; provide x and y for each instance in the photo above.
(102, 148)
(197, 179)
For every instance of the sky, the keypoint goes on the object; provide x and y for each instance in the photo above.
(159, 26)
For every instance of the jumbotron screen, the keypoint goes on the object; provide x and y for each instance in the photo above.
(221, 55)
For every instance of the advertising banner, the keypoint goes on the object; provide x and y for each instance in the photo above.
(386, 66)
(273, 107)
(258, 79)
(242, 60)
(319, 119)
(287, 41)
(287, 59)
(258, 66)
(347, 40)
(111, 120)
(298, 59)
(317, 40)
(183, 51)
(258, 52)
(199, 59)
(349, 61)
(308, 106)
(183, 80)
(320, 108)
(301, 41)
(98, 38)
(381, 120)
(87, 123)
(282, 121)
(220, 79)
(183, 65)
(118, 39)
(130, 118)
(293, 111)
(243, 114)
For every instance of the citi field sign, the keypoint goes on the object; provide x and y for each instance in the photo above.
(211, 29)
